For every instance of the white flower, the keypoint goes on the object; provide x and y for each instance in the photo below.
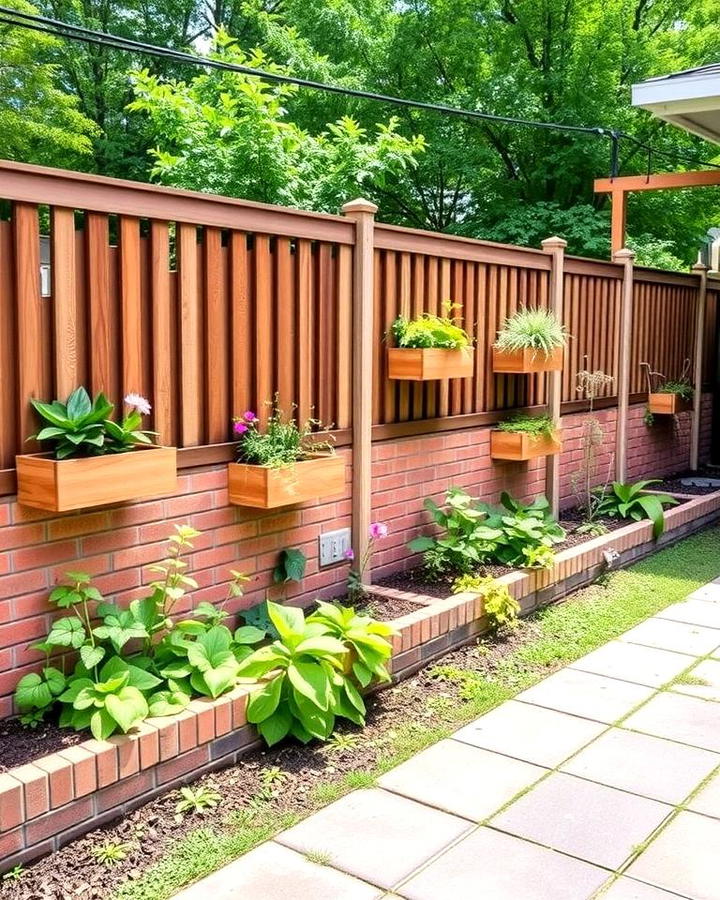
(139, 403)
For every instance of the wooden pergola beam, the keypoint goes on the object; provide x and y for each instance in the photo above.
(620, 187)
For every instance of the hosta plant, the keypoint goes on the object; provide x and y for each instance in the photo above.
(538, 330)
(135, 661)
(84, 427)
(627, 501)
(307, 681)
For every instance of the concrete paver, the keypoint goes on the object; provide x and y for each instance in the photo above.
(697, 612)
(707, 800)
(681, 637)
(634, 662)
(708, 672)
(677, 717)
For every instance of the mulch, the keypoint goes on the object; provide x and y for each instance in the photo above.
(675, 485)
(19, 744)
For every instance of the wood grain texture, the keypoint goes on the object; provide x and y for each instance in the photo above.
(429, 364)
(519, 447)
(261, 487)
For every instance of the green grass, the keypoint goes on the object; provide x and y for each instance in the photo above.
(558, 635)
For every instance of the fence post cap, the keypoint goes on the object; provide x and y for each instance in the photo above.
(553, 243)
(700, 267)
(624, 254)
(359, 206)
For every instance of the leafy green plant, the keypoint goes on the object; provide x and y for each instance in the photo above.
(197, 800)
(681, 388)
(339, 742)
(355, 582)
(596, 529)
(626, 501)
(83, 427)
(429, 330)
(532, 329)
(500, 607)
(136, 661)
(290, 566)
(15, 874)
(657, 383)
(535, 426)
(283, 442)
(308, 681)
(110, 853)
(529, 532)
(258, 617)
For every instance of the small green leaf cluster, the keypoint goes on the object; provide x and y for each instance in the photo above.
(109, 853)
(500, 607)
(314, 671)
(429, 330)
(137, 661)
(283, 442)
(290, 566)
(197, 800)
(82, 427)
(682, 388)
(535, 426)
(473, 533)
(532, 329)
(626, 501)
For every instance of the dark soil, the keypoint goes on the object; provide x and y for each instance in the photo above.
(280, 780)
(387, 608)
(419, 581)
(573, 518)
(675, 485)
(19, 744)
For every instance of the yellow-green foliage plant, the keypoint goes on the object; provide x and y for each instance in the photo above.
(499, 605)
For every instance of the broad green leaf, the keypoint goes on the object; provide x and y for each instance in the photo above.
(67, 632)
(102, 724)
(288, 620)
(277, 726)
(264, 701)
(322, 645)
(311, 680)
(32, 692)
(167, 703)
(91, 656)
(127, 707)
(248, 634)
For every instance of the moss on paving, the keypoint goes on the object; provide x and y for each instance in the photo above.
(561, 634)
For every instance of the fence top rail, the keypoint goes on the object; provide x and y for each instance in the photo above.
(598, 268)
(451, 246)
(25, 183)
(663, 276)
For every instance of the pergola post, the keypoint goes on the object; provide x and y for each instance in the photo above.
(701, 271)
(363, 212)
(627, 259)
(554, 246)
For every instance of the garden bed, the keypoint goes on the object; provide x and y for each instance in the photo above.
(68, 793)
(267, 791)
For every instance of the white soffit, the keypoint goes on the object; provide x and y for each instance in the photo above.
(690, 100)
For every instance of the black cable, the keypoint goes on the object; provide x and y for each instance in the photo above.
(58, 28)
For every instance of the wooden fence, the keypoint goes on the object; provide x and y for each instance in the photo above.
(209, 306)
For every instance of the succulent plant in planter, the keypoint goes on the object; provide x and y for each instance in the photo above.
(532, 340)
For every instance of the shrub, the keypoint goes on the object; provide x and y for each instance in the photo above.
(283, 442)
(626, 501)
(475, 533)
(500, 607)
(429, 330)
(535, 426)
(310, 673)
(82, 427)
(136, 661)
(532, 329)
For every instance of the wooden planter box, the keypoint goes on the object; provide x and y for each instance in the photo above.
(527, 361)
(265, 488)
(429, 364)
(518, 446)
(667, 404)
(66, 484)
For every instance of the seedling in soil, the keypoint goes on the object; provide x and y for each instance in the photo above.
(197, 801)
(111, 852)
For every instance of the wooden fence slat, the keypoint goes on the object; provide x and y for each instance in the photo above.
(162, 380)
(9, 395)
(65, 318)
(265, 343)
(98, 281)
(216, 338)
(242, 325)
(305, 343)
(31, 361)
(285, 318)
(344, 337)
(191, 382)
(130, 303)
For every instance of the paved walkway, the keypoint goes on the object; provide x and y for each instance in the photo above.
(602, 780)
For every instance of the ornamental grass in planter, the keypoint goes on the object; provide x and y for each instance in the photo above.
(525, 437)
(429, 348)
(94, 459)
(533, 340)
(285, 464)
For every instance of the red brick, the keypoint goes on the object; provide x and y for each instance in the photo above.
(61, 781)
(84, 769)
(55, 822)
(36, 791)
(146, 735)
(223, 715)
(187, 730)
(240, 696)
(205, 714)
(12, 811)
(10, 842)
(123, 791)
(44, 555)
(181, 765)
(22, 583)
(22, 535)
(128, 754)
(74, 525)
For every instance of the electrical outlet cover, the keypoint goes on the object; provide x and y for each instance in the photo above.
(333, 546)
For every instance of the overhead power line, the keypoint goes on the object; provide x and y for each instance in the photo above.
(58, 28)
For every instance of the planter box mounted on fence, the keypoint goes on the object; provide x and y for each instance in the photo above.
(667, 404)
(265, 487)
(518, 446)
(429, 363)
(67, 484)
(527, 361)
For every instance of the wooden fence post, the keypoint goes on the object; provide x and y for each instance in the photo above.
(555, 246)
(627, 259)
(701, 271)
(363, 212)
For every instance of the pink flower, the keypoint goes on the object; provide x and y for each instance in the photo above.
(240, 428)
(378, 530)
(138, 402)
(349, 553)
(249, 416)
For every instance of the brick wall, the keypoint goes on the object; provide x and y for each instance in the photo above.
(114, 544)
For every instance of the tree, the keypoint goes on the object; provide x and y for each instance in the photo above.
(39, 121)
(230, 133)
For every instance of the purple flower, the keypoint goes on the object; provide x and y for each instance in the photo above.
(349, 553)
(378, 530)
(249, 416)
(240, 428)
(138, 402)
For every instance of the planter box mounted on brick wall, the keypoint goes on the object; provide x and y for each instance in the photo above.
(266, 488)
(429, 363)
(527, 361)
(518, 446)
(667, 404)
(67, 484)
